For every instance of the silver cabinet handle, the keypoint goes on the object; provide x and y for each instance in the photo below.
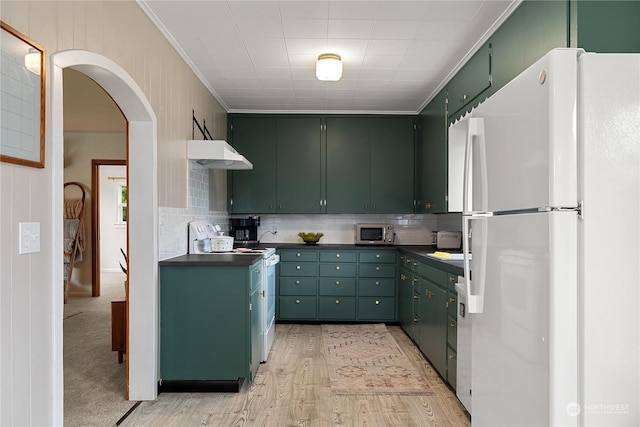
(377, 302)
(377, 283)
(377, 255)
(297, 267)
(297, 301)
(338, 267)
(337, 255)
(337, 301)
(297, 282)
(377, 268)
(337, 282)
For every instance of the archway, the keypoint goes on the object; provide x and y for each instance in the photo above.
(142, 357)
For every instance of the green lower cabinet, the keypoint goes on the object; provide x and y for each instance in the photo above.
(336, 308)
(433, 324)
(207, 327)
(337, 285)
(297, 308)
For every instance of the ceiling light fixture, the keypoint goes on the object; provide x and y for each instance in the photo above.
(329, 67)
(32, 61)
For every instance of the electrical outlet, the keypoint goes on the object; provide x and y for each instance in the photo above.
(29, 237)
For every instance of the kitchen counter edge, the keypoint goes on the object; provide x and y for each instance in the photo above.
(213, 260)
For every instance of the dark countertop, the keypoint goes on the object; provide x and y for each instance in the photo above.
(418, 252)
(214, 260)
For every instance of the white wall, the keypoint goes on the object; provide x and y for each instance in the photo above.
(121, 32)
(113, 234)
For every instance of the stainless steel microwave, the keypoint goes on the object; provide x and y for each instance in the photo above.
(374, 234)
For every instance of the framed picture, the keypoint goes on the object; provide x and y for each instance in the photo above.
(22, 99)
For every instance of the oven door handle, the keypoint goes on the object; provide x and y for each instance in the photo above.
(272, 260)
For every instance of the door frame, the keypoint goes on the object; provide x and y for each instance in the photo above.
(95, 220)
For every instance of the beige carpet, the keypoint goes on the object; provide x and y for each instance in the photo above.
(94, 381)
(366, 359)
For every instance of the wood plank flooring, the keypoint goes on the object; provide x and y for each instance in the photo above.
(292, 389)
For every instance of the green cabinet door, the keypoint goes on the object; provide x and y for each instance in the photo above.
(472, 79)
(531, 31)
(392, 142)
(348, 165)
(433, 324)
(405, 297)
(431, 163)
(298, 165)
(205, 325)
(254, 190)
(608, 26)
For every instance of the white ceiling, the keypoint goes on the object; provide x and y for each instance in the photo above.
(260, 55)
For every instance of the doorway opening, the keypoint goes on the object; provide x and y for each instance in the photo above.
(142, 357)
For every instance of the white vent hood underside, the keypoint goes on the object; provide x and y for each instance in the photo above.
(216, 154)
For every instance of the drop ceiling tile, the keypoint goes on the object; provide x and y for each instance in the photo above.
(402, 10)
(353, 10)
(445, 10)
(400, 30)
(376, 74)
(387, 47)
(261, 28)
(305, 46)
(254, 9)
(355, 29)
(304, 9)
(305, 28)
(238, 73)
(382, 61)
(441, 30)
(347, 48)
(280, 73)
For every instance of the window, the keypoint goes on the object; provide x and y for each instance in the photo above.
(122, 204)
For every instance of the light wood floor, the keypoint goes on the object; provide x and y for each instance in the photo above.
(292, 389)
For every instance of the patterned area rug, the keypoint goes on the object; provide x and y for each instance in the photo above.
(366, 359)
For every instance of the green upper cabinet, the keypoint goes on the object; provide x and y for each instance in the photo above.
(348, 165)
(370, 164)
(529, 33)
(254, 190)
(392, 146)
(299, 165)
(431, 158)
(286, 157)
(606, 26)
(472, 79)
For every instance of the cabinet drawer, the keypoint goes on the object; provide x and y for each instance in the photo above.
(303, 307)
(338, 256)
(436, 276)
(298, 285)
(377, 287)
(388, 257)
(338, 286)
(372, 308)
(298, 255)
(377, 270)
(337, 308)
(299, 269)
(337, 270)
(452, 333)
(452, 305)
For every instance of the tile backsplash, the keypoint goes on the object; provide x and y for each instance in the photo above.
(174, 222)
(411, 229)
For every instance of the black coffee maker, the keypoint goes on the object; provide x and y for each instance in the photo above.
(244, 230)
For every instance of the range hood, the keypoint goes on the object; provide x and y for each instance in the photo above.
(216, 154)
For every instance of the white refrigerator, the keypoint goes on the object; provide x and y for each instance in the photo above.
(550, 170)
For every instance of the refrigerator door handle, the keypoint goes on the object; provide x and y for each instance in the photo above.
(475, 131)
(475, 300)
